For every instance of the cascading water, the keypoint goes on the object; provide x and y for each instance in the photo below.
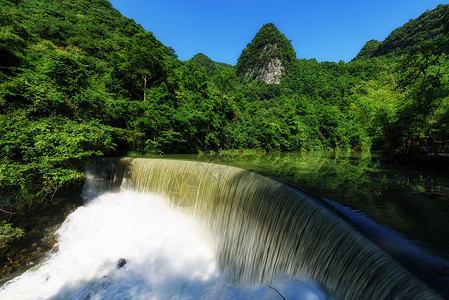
(133, 245)
(226, 233)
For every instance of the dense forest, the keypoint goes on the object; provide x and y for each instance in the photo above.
(79, 80)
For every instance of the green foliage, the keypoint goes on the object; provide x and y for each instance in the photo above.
(424, 80)
(426, 27)
(43, 156)
(9, 233)
(368, 50)
(445, 19)
(142, 65)
(200, 60)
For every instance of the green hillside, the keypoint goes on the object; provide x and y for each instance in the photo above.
(200, 60)
(427, 27)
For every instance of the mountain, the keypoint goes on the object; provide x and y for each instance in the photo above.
(427, 26)
(201, 60)
(267, 56)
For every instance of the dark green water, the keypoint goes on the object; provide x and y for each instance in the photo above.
(399, 208)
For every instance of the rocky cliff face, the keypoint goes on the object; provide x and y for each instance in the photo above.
(270, 72)
(267, 56)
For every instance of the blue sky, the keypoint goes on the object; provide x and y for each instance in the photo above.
(328, 30)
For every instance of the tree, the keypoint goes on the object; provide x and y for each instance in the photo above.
(423, 70)
(143, 64)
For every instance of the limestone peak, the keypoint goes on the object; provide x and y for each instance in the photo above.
(266, 56)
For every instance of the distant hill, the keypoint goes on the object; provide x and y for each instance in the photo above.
(267, 56)
(202, 60)
(223, 65)
(428, 26)
(368, 50)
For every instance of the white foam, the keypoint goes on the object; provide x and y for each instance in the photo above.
(168, 257)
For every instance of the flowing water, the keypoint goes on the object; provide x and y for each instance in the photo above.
(167, 257)
(164, 229)
(404, 209)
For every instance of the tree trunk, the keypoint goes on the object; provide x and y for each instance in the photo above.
(145, 80)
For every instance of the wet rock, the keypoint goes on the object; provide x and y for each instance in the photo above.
(121, 262)
(438, 195)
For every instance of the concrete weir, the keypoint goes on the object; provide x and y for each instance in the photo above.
(261, 227)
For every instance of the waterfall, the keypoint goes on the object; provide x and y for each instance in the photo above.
(172, 229)
(260, 227)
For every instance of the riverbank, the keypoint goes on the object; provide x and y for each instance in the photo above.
(39, 225)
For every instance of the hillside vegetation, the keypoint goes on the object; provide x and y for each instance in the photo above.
(267, 56)
(78, 80)
(427, 27)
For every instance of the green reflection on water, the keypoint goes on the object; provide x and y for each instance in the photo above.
(393, 197)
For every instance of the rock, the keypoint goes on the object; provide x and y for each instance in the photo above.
(438, 196)
(121, 262)
(267, 56)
